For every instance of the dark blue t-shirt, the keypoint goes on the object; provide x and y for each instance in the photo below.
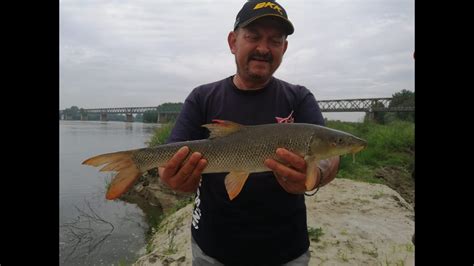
(264, 224)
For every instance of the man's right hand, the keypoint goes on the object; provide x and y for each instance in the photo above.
(183, 177)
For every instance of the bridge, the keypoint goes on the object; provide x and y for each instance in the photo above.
(367, 105)
(164, 113)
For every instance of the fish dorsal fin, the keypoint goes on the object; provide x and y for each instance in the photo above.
(234, 182)
(221, 128)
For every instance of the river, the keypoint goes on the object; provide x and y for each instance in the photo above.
(93, 230)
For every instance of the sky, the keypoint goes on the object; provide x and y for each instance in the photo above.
(124, 53)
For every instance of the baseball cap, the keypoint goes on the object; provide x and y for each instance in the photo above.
(253, 10)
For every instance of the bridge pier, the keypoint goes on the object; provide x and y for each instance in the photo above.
(84, 117)
(129, 117)
(103, 117)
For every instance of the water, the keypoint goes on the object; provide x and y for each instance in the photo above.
(93, 230)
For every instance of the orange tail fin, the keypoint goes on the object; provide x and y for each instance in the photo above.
(121, 162)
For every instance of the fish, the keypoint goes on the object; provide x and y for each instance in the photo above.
(235, 149)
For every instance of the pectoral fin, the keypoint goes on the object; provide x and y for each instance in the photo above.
(311, 168)
(234, 182)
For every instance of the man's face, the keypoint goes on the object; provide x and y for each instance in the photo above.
(258, 49)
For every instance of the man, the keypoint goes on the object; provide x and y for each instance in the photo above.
(266, 223)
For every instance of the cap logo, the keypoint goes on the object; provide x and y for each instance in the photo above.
(269, 4)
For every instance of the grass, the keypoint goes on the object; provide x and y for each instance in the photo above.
(362, 201)
(378, 195)
(171, 249)
(344, 232)
(409, 247)
(160, 135)
(372, 253)
(342, 255)
(177, 206)
(315, 233)
(390, 145)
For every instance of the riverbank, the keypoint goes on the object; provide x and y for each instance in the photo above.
(351, 222)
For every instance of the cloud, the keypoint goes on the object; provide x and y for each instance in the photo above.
(144, 53)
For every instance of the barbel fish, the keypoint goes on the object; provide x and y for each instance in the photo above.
(233, 148)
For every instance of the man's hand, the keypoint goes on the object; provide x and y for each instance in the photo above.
(183, 177)
(292, 174)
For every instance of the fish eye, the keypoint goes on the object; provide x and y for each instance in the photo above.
(337, 141)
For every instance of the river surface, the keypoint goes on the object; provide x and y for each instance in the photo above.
(93, 230)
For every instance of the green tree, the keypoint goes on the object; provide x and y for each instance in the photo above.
(376, 116)
(170, 107)
(150, 116)
(72, 113)
(403, 98)
(379, 116)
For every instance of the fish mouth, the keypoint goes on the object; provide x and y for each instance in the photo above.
(362, 145)
(358, 148)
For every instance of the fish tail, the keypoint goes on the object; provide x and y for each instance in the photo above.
(122, 163)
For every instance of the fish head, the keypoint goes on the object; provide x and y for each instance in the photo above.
(326, 143)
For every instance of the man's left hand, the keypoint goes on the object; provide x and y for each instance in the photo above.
(290, 172)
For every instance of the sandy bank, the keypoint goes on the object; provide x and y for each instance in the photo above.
(362, 224)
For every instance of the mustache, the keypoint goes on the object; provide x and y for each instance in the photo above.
(262, 57)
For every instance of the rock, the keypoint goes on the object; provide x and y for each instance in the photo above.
(361, 224)
(154, 192)
(171, 244)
